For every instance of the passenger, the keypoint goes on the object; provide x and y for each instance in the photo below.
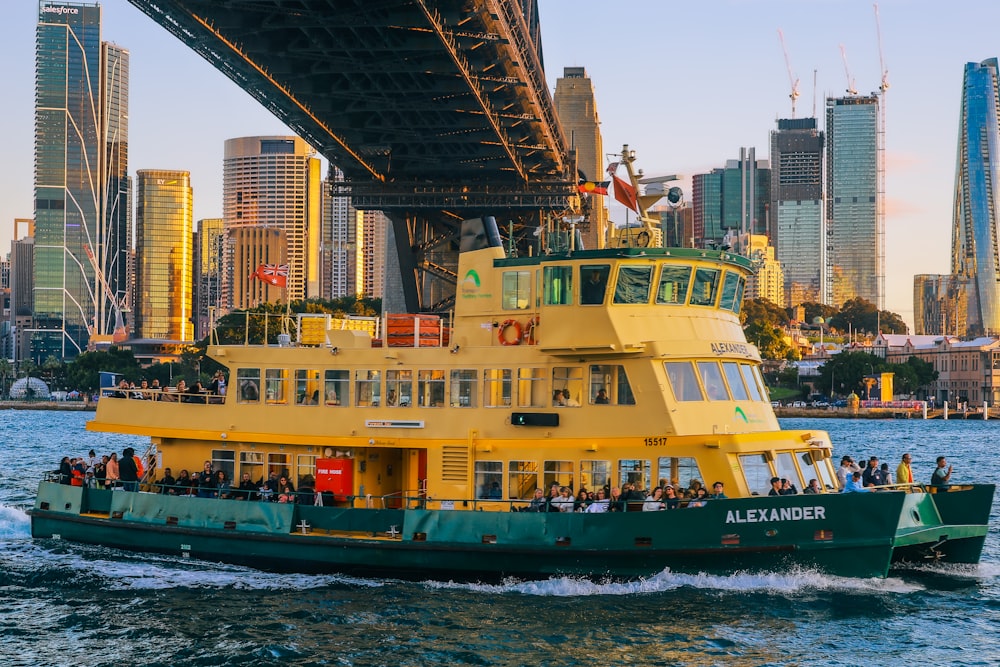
(65, 470)
(155, 390)
(167, 483)
(601, 398)
(630, 494)
(717, 492)
(700, 499)
(206, 484)
(89, 481)
(286, 495)
(306, 494)
(101, 472)
(670, 498)
(872, 475)
(693, 488)
(494, 492)
(593, 290)
(123, 391)
(886, 475)
(569, 401)
(182, 485)
(583, 500)
(558, 400)
(194, 394)
(390, 398)
(538, 502)
(222, 488)
(600, 505)
(91, 459)
(904, 474)
(616, 503)
(787, 488)
(314, 400)
(654, 502)
(128, 470)
(113, 473)
(813, 487)
(141, 393)
(247, 488)
(565, 502)
(847, 466)
(940, 477)
(249, 391)
(195, 488)
(775, 487)
(218, 385)
(854, 484)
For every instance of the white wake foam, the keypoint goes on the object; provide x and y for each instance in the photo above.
(14, 523)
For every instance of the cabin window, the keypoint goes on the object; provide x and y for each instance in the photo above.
(276, 386)
(609, 385)
(674, 283)
(568, 380)
(711, 377)
(683, 381)
(756, 473)
(785, 464)
(279, 464)
(337, 382)
(489, 478)
(367, 388)
(253, 464)
(225, 459)
(430, 389)
(811, 467)
(306, 387)
(738, 302)
(306, 464)
(753, 380)
(706, 285)
(594, 283)
(523, 479)
(633, 284)
(557, 472)
(497, 388)
(824, 473)
(730, 290)
(463, 388)
(637, 472)
(516, 293)
(558, 285)
(399, 388)
(595, 474)
(248, 382)
(679, 471)
(531, 388)
(735, 380)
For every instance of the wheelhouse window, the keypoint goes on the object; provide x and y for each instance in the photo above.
(609, 385)
(522, 476)
(399, 388)
(683, 381)
(568, 380)
(336, 387)
(633, 284)
(516, 290)
(674, 284)
(677, 470)
(711, 377)
(756, 473)
(463, 387)
(558, 472)
(732, 292)
(558, 285)
(532, 391)
(595, 475)
(635, 471)
(307, 387)
(706, 286)
(497, 388)
(367, 388)
(753, 380)
(735, 380)
(248, 385)
(276, 386)
(430, 389)
(593, 283)
(489, 478)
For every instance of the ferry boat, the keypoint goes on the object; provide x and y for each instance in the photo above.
(419, 453)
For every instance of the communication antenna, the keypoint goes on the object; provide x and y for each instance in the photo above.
(792, 80)
(814, 93)
(851, 89)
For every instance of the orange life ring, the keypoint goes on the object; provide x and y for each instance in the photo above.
(529, 337)
(516, 340)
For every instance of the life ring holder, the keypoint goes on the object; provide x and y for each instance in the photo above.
(516, 340)
(529, 337)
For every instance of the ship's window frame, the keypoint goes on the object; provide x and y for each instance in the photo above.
(595, 474)
(557, 282)
(738, 302)
(515, 290)
(498, 388)
(275, 459)
(398, 387)
(683, 381)
(711, 377)
(367, 387)
(248, 385)
(731, 370)
(463, 388)
(754, 382)
(570, 379)
(488, 473)
(305, 466)
(729, 292)
(558, 471)
(253, 463)
(705, 280)
(532, 387)
(784, 463)
(337, 387)
(276, 386)
(756, 472)
(679, 471)
(632, 284)
(825, 477)
(431, 388)
(593, 292)
(671, 274)
(225, 459)
(633, 471)
(620, 390)
(517, 472)
(306, 386)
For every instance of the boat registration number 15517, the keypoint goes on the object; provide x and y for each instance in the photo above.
(655, 441)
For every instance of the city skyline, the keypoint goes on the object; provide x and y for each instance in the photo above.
(685, 108)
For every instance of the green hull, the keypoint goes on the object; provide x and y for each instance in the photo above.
(857, 535)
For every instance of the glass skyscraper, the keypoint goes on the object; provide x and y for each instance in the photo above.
(974, 260)
(855, 226)
(82, 235)
(731, 199)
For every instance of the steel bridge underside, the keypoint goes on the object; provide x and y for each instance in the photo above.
(435, 110)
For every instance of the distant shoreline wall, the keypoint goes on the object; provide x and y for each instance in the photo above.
(63, 406)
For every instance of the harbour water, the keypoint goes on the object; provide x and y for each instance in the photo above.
(64, 604)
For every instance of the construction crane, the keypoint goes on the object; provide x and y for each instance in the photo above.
(792, 80)
(851, 89)
(119, 333)
(884, 85)
(880, 137)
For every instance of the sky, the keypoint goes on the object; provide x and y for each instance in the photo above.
(684, 83)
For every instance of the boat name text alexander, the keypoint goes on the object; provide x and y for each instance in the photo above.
(721, 348)
(776, 514)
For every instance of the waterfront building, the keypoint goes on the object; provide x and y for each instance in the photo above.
(575, 102)
(270, 184)
(974, 261)
(855, 224)
(797, 213)
(208, 253)
(164, 266)
(373, 254)
(342, 232)
(768, 279)
(732, 199)
(968, 370)
(82, 209)
(22, 255)
(939, 305)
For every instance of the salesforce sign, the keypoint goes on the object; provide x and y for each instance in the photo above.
(60, 10)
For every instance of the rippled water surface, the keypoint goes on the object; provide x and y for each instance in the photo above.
(65, 604)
